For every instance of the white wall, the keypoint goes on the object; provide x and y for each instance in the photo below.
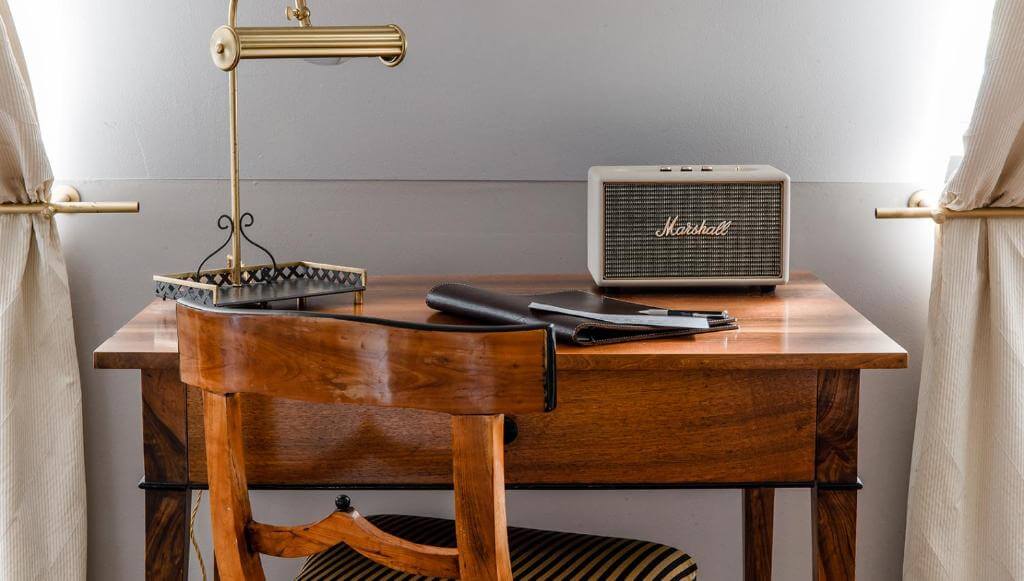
(841, 95)
(524, 90)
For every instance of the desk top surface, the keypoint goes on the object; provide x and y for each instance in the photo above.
(803, 325)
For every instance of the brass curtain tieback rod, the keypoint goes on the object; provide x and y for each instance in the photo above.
(67, 200)
(922, 204)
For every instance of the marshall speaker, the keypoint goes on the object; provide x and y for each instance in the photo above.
(709, 225)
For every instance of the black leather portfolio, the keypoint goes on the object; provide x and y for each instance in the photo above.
(503, 308)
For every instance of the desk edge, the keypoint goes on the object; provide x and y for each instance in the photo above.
(583, 362)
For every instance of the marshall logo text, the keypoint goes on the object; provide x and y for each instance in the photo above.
(673, 228)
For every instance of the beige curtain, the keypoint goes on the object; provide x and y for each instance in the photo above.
(965, 514)
(42, 470)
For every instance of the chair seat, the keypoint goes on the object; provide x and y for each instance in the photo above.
(536, 555)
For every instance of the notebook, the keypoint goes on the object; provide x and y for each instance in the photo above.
(489, 306)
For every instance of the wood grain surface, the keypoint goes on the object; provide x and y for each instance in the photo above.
(167, 535)
(834, 522)
(326, 360)
(684, 427)
(838, 407)
(758, 527)
(481, 527)
(165, 460)
(359, 534)
(834, 510)
(230, 510)
(163, 426)
(802, 325)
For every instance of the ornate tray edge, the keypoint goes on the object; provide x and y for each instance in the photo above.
(204, 286)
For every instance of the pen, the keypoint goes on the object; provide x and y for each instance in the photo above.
(675, 313)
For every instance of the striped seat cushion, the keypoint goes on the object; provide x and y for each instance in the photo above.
(536, 555)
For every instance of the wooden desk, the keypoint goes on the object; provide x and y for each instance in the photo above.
(773, 404)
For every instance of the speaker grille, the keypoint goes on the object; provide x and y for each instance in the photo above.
(634, 212)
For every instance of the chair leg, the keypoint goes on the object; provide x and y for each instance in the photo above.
(479, 475)
(229, 495)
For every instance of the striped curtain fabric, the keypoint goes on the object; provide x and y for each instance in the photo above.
(42, 468)
(965, 513)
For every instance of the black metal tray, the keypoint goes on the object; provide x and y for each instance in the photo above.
(263, 283)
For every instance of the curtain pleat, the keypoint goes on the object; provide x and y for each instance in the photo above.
(42, 464)
(24, 169)
(965, 515)
(965, 509)
(992, 173)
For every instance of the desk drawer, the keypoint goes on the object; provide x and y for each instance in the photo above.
(610, 427)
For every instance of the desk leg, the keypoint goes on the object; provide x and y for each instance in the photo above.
(167, 535)
(834, 498)
(166, 462)
(834, 522)
(758, 519)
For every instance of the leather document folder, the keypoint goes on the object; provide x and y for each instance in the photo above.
(489, 306)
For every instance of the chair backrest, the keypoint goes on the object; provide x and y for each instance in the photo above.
(474, 374)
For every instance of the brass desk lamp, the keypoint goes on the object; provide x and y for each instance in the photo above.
(239, 283)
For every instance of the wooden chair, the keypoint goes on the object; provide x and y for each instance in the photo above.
(474, 374)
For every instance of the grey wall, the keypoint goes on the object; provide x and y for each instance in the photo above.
(847, 97)
(486, 227)
(524, 90)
